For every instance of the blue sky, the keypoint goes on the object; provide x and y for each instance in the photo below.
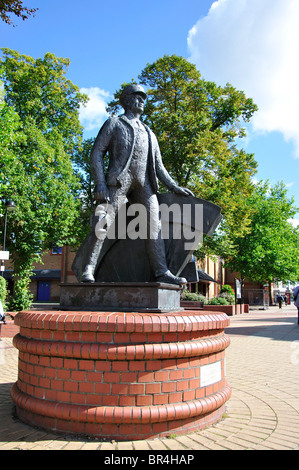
(253, 44)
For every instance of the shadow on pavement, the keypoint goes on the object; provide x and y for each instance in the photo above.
(283, 327)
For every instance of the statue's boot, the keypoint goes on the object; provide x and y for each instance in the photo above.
(169, 278)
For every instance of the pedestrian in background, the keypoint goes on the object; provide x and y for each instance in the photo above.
(280, 300)
(296, 299)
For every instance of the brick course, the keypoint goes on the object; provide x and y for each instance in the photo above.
(127, 387)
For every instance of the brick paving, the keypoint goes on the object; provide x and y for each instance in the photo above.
(262, 367)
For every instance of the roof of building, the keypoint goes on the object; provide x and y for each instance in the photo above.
(203, 276)
(38, 274)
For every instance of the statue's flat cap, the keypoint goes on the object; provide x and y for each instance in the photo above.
(132, 89)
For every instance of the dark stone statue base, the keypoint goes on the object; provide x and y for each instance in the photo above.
(121, 296)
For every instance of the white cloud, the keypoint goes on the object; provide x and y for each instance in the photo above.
(253, 44)
(294, 222)
(93, 114)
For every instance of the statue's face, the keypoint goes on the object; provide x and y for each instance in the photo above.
(135, 103)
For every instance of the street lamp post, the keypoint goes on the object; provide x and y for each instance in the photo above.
(10, 206)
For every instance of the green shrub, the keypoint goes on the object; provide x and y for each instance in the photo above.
(219, 301)
(229, 297)
(227, 289)
(22, 298)
(193, 297)
(3, 292)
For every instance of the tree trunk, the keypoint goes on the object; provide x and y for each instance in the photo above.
(270, 294)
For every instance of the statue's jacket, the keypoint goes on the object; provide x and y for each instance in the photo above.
(117, 136)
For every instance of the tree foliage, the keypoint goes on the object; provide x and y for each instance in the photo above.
(81, 165)
(36, 166)
(270, 251)
(10, 136)
(197, 124)
(15, 7)
(40, 93)
(3, 292)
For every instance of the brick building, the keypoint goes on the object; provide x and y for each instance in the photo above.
(48, 275)
(56, 269)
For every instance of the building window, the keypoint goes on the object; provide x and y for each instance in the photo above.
(57, 250)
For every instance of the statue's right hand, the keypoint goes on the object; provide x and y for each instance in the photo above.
(101, 192)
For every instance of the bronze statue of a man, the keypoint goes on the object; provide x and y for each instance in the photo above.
(135, 166)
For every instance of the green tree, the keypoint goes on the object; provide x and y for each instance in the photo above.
(3, 292)
(15, 7)
(37, 171)
(81, 164)
(40, 93)
(10, 136)
(270, 251)
(197, 124)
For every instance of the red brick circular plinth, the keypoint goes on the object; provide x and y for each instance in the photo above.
(122, 376)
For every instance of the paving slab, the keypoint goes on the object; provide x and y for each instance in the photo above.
(262, 368)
